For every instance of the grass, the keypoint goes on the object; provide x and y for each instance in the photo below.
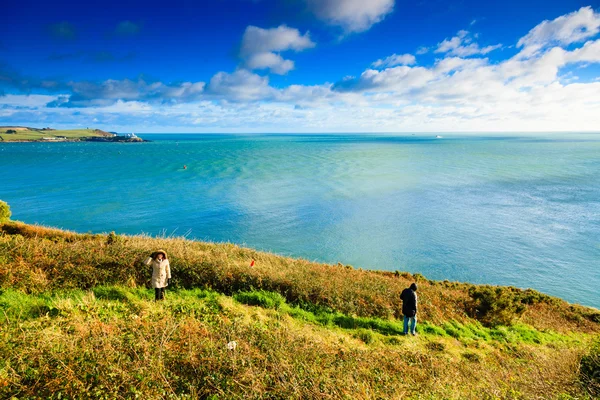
(34, 135)
(115, 342)
(80, 322)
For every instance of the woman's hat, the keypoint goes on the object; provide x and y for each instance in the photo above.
(164, 253)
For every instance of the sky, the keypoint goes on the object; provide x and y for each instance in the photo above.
(314, 66)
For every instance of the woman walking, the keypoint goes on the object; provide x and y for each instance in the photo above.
(161, 273)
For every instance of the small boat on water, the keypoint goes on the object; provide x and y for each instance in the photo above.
(439, 137)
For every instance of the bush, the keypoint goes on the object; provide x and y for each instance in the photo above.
(260, 298)
(501, 305)
(590, 369)
(4, 212)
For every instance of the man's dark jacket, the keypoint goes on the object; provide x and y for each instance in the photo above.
(409, 302)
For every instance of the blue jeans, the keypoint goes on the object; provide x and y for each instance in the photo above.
(413, 324)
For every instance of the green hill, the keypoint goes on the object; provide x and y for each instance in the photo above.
(27, 134)
(79, 322)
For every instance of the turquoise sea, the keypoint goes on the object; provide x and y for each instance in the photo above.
(515, 210)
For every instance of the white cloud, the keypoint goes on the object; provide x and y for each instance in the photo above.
(261, 47)
(88, 94)
(589, 52)
(273, 61)
(462, 45)
(564, 30)
(241, 85)
(457, 92)
(26, 101)
(451, 64)
(395, 59)
(351, 15)
(398, 79)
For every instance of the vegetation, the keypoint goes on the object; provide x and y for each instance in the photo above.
(4, 211)
(24, 134)
(80, 323)
(590, 369)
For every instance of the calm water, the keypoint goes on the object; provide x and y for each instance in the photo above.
(522, 211)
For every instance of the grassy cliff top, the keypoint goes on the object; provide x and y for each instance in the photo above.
(78, 309)
(27, 134)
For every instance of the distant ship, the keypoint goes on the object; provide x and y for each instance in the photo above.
(438, 137)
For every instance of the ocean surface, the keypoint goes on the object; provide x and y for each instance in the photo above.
(515, 210)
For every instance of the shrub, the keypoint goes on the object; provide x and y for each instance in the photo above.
(590, 369)
(4, 211)
(499, 305)
(113, 238)
(260, 298)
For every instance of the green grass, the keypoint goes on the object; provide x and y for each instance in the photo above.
(79, 322)
(106, 336)
(16, 304)
(260, 298)
(518, 333)
(54, 259)
(39, 134)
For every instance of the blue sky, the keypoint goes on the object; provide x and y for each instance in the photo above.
(302, 65)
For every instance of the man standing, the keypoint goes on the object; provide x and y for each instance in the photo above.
(409, 308)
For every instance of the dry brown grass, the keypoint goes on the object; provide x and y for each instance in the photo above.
(82, 346)
(51, 258)
(104, 349)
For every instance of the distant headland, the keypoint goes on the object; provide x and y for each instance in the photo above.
(28, 134)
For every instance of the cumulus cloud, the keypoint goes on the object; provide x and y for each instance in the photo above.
(397, 79)
(395, 59)
(242, 85)
(261, 47)
(536, 91)
(274, 62)
(462, 45)
(564, 30)
(26, 101)
(93, 94)
(471, 79)
(351, 15)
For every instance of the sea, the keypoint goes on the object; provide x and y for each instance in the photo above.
(501, 209)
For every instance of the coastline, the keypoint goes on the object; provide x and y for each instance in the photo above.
(273, 328)
(322, 270)
(23, 134)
